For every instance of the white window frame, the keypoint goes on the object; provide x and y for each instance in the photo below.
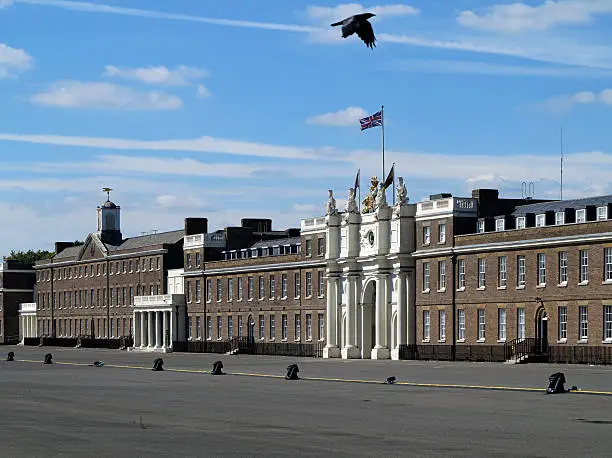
(501, 324)
(461, 325)
(583, 323)
(461, 273)
(540, 220)
(541, 269)
(502, 265)
(562, 316)
(584, 266)
(581, 215)
(607, 323)
(608, 264)
(442, 325)
(482, 274)
(559, 218)
(480, 227)
(442, 233)
(442, 275)
(563, 267)
(482, 327)
(602, 213)
(520, 331)
(520, 271)
(521, 222)
(426, 235)
(426, 325)
(426, 279)
(500, 224)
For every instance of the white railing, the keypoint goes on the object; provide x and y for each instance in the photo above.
(27, 307)
(160, 299)
(201, 240)
(313, 223)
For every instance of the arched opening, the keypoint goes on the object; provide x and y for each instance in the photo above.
(368, 319)
(394, 331)
(343, 331)
(251, 328)
(542, 329)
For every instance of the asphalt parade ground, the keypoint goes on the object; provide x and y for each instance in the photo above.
(337, 408)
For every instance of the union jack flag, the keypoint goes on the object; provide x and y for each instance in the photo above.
(371, 121)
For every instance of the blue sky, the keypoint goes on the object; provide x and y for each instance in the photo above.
(246, 108)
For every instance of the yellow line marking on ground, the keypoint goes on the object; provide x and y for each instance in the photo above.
(332, 379)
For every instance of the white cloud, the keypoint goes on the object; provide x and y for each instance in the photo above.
(518, 17)
(5, 3)
(202, 144)
(79, 94)
(347, 117)
(564, 103)
(342, 11)
(483, 68)
(13, 61)
(158, 75)
(202, 91)
(88, 7)
(555, 50)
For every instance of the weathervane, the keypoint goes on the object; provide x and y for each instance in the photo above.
(107, 191)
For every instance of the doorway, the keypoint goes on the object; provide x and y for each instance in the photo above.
(368, 321)
(542, 330)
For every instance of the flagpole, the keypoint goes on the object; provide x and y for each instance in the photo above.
(382, 120)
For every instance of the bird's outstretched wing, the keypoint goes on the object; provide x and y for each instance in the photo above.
(366, 33)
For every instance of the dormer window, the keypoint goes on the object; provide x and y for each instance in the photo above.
(520, 222)
(500, 224)
(540, 220)
(581, 215)
(559, 218)
(602, 213)
(480, 227)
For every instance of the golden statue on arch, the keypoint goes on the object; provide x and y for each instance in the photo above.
(369, 201)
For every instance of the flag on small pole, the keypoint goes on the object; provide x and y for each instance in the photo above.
(390, 181)
(376, 120)
(358, 186)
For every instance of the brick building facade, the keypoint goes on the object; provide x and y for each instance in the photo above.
(507, 270)
(251, 281)
(88, 290)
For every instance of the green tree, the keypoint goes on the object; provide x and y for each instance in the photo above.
(78, 243)
(28, 257)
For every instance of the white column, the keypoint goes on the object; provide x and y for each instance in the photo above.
(411, 308)
(350, 312)
(172, 326)
(165, 330)
(30, 334)
(22, 327)
(158, 330)
(143, 330)
(402, 304)
(380, 303)
(150, 324)
(136, 330)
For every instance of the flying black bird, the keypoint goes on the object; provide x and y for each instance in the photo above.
(358, 24)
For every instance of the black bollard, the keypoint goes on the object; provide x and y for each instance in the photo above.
(556, 382)
(48, 359)
(158, 364)
(11, 356)
(217, 368)
(391, 380)
(292, 372)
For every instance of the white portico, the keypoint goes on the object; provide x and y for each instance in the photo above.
(27, 321)
(370, 276)
(157, 321)
(160, 320)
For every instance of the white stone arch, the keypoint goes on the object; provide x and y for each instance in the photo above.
(368, 317)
